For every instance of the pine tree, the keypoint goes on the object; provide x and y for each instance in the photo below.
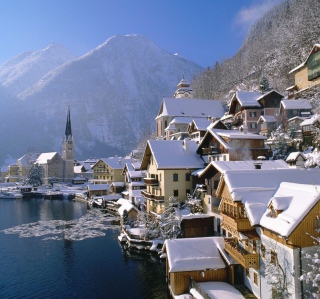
(34, 176)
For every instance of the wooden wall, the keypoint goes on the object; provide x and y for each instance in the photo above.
(179, 281)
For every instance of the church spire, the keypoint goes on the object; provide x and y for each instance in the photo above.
(68, 132)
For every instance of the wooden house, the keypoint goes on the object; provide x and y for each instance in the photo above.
(97, 190)
(184, 260)
(292, 108)
(309, 127)
(306, 75)
(247, 108)
(296, 160)
(232, 145)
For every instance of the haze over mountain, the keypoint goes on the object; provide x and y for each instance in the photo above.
(114, 93)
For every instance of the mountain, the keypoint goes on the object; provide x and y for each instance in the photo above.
(27, 68)
(275, 44)
(114, 93)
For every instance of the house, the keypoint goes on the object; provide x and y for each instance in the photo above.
(110, 169)
(131, 211)
(184, 109)
(247, 198)
(309, 128)
(202, 259)
(134, 183)
(169, 164)
(13, 174)
(97, 190)
(306, 75)
(232, 145)
(83, 169)
(247, 108)
(296, 160)
(212, 174)
(292, 108)
(198, 127)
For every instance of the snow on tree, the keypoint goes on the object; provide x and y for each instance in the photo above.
(150, 223)
(279, 144)
(311, 276)
(194, 204)
(34, 176)
(170, 220)
(313, 159)
(264, 84)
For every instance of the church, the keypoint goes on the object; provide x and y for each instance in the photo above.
(55, 167)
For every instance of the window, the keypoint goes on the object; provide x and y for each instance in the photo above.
(255, 278)
(299, 79)
(273, 257)
(175, 177)
(253, 114)
(248, 272)
(276, 113)
(175, 193)
(317, 223)
(253, 126)
(188, 191)
(188, 176)
(263, 251)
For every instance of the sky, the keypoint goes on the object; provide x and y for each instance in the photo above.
(203, 31)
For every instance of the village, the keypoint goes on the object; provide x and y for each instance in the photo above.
(229, 199)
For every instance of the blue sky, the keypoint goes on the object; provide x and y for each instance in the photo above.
(203, 31)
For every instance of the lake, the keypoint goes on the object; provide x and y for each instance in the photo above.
(62, 249)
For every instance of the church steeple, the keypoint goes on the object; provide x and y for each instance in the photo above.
(184, 90)
(68, 132)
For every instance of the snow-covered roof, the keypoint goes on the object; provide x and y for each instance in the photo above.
(311, 121)
(224, 166)
(128, 207)
(294, 156)
(296, 104)
(191, 108)
(118, 184)
(288, 199)
(219, 290)
(97, 187)
(28, 158)
(201, 123)
(117, 162)
(44, 157)
(248, 98)
(254, 188)
(191, 254)
(111, 197)
(267, 119)
(303, 63)
(267, 93)
(173, 154)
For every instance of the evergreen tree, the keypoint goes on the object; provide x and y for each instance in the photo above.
(264, 84)
(34, 176)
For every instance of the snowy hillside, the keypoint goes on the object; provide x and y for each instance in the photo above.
(27, 68)
(114, 92)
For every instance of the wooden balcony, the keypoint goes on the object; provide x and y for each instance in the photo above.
(152, 196)
(241, 224)
(151, 182)
(242, 256)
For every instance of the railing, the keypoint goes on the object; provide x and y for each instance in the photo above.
(196, 286)
(152, 196)
(241, 224)
(242, 256)
(151, 181)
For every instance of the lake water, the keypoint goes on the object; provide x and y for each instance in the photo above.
(60, 249)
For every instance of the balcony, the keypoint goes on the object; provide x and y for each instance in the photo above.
(242, 256)
(151, 182)
(235, 225)
(152, 196)
(213, 150)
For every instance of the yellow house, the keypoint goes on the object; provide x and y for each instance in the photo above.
(169, 164)
(306, 75)
(110, 169)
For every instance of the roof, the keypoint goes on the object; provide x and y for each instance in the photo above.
(267, 119)
(296, 104)
(97, 187)
(269, 92)
(128, 207)
(294, 156)
(191, 254)
(254, 188)
(174, 154)
(43, 158)
(303, 63)
(201, 123)
(248, 98)
(288, 199)
(311, 121)
(117, 162)
(219, 290)
(190, 108)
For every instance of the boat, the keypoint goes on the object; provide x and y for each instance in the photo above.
(10, 195)
(53, 195)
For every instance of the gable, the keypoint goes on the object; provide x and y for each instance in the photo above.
(271, 100)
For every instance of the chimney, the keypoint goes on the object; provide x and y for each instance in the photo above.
(257, 165)
(243, 129)
(186, 145)
(120, 161)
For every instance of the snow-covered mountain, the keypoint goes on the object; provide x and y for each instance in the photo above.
(114, 93)
(27, 68)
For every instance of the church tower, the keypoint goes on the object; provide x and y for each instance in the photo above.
(68, 150)
(184, 90)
